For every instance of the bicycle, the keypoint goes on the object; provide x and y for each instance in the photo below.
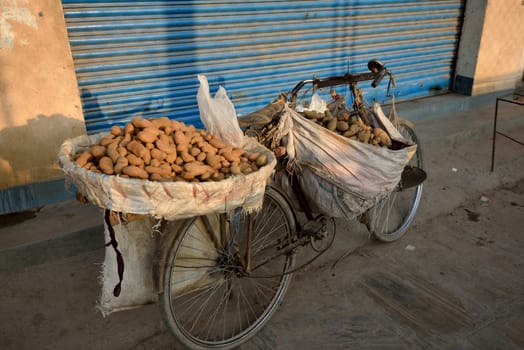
(222, 276)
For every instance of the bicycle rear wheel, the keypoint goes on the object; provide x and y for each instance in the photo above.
(208, 300)
(390, 218)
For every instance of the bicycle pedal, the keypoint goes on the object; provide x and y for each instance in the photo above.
(314, 228)
(411, 177)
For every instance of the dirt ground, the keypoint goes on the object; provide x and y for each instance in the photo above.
(455, 281)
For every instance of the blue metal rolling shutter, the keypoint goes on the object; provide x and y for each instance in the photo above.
(142, 57)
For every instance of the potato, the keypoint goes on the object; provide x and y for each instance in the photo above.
(155, 177)
(155, 162)
(194, 151)
(205, 176)
(344, 117)
(235, 168)
(176, 125)
(225, 149)
(197, 167)
(188, 128)
(230, 157)
(364, 136)
(332, 124)
(161, 123)
(112, 151)
(212, 160)
(141, 123)
(147, 136)
(247, 171)
(164, 169)
(168, 130)
(106, 165)
(165, 143)
(383, 137)
(187, 157)
(313, 114)
(134, 160)
(261, 160)
(180, 138)
(147, 156)
(201, 156)
(134, 171)
(125, 140)
(116, 130)
(171, 158)
(195, 139)
(184, 147)
(215, 142)
(206, 147)
(122, 151)
(353, 130)
(136, 148)
(129, 129)
(158, 154)
(120, 164)
(217, 176)
(106, 140)
(244, 166)
(89, 165)
(177, 168)
(97, 151)
(253, 156)
(84, 158)
(342, 126)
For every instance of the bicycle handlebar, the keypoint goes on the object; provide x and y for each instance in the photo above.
(346, 79)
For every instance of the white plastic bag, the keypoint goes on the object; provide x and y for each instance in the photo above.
(317, 103)
(218, 114)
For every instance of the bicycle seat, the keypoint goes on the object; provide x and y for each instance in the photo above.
(264, 115)
(375, 65)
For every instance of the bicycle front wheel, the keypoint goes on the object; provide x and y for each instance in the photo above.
(208, 299)
(391, 217)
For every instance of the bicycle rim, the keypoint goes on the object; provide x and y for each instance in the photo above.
(391, 217)
(206, 303)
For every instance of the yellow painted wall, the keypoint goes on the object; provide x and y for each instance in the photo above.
(39, 101)
(500, 61)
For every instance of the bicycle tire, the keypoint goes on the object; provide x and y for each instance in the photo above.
(391, 217)
(224, 309)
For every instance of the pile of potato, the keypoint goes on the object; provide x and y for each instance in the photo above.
(166, 150)
(353, 128)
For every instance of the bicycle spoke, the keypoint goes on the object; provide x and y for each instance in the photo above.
(224, 323)
(202, 293)
(202, 307)
(214, 314)
(260, 244)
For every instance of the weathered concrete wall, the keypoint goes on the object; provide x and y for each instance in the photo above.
(39, 100)
(491, 51)
(501, 54)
